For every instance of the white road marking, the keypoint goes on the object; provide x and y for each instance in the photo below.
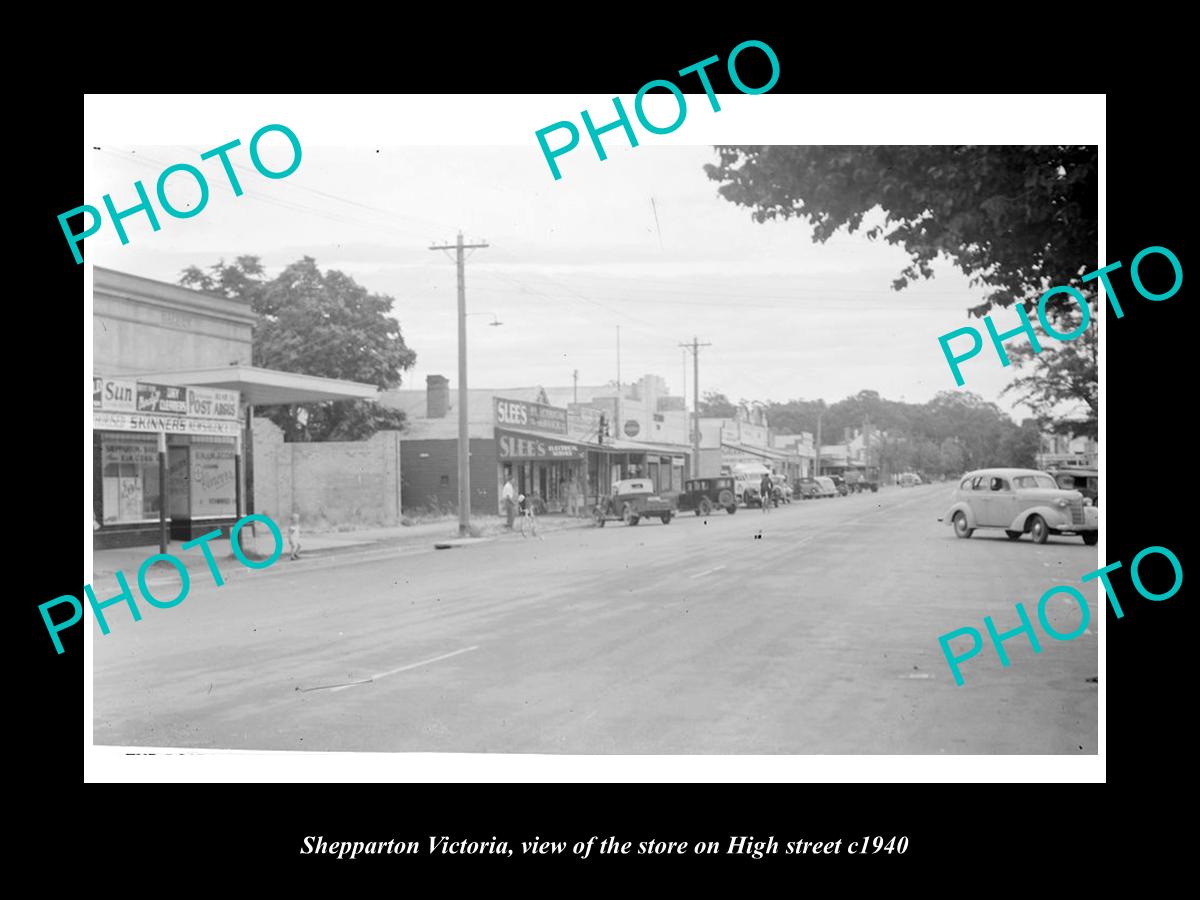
(415, 665)
(707, 572)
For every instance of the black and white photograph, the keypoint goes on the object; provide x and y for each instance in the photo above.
(745, 440)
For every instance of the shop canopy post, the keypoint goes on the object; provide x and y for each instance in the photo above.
(162, 492)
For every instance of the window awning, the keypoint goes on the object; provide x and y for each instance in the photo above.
(761, 452)
(620, 446)
(267, 387)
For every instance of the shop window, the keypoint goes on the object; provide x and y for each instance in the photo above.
(129, 473)
(444, 481)
(214, 480)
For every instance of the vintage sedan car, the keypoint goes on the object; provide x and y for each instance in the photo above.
(812, 488)
(631, 501)
(1021, 501)
(706, 494)
(1086, 481)
(781, 488)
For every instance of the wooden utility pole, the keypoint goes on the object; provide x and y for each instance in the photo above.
(464, 445)
(694, 347)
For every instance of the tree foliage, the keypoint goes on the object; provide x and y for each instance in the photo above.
(1017, 220)
(954, 432)
(717, 406)
(317, 323)
(1060, 382)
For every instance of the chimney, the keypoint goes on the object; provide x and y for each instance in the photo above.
(437, 390)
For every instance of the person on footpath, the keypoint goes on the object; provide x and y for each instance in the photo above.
(764, 492)
(529, 516)
(510, 504)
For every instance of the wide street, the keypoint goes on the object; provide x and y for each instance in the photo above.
(809, 629)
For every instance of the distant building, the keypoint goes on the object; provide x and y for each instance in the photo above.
(1066, 450)
(746, 438)
(547, 438)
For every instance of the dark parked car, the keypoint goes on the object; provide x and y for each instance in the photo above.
(706, 494)
(840, 483)
(813, 488)
(1086, 481)
(631, 501)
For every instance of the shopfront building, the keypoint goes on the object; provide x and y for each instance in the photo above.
(165, 457)
(173, 395)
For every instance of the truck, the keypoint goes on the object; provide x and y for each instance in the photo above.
(862, 478)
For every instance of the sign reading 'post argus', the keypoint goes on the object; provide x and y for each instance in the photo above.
(119, 405)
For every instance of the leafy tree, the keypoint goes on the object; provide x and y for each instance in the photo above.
(317, 324)
(1022, 445)
(1018, 220)
(717, 405)
(1061, 386)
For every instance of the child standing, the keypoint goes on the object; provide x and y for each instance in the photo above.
(294, 537)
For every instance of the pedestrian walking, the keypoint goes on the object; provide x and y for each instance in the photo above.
(509, 497)
(294, 537)
(764, 492)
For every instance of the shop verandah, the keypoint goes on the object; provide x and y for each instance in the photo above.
(570, 476)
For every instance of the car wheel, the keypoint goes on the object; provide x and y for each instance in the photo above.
(705, 508)
(666, 519)
(1038, 530)
(627, 515)
(726, 498)
(1090, 537)
(961, 529)
(1014, 535)
(731, 508)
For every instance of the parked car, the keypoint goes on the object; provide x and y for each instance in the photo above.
(746, 480)
(632, 500)
(781, 489)
(1021, 501)
(812, 488)
(909, 479)
(840, 483)
(706, 494)
(1086, 481)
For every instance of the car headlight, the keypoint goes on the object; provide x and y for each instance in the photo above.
(1062, 503)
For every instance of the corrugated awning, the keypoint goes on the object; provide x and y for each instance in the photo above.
(268, 387)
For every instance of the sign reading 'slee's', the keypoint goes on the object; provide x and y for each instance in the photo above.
(536, 416)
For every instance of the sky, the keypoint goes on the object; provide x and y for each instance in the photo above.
(642, 243)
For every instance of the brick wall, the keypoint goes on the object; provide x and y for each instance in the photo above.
(328, 483)
(430, 470)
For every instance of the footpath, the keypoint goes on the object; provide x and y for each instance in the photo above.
(328, 546)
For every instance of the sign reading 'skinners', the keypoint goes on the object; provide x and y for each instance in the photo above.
(622, 120)
(184, 172)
